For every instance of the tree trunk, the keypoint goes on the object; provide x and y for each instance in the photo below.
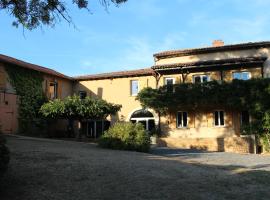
(159, 125)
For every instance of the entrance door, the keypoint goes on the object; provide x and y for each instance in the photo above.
(6, 117)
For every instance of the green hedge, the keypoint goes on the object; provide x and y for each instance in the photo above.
(126, 136)
(4, 155)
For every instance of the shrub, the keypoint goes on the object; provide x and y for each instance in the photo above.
(4, 155)
(126, 136)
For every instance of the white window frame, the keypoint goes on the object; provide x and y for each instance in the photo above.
(201, 77)
(168, 78)
(131, 88)
(219, 124)
(146, 119)
(182, 122)
(249, 75)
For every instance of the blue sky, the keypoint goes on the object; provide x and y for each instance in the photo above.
(126, 37)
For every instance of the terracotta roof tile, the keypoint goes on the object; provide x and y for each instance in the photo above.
(20, 63)
(120, 74)
(231, 61)
(210, 49)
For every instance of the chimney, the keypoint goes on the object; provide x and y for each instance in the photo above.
(217, 43)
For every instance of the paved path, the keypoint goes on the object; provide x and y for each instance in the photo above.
(248, 161)
(65, 170)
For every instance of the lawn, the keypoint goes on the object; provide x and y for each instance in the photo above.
(49, 169)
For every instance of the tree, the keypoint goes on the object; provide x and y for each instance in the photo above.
(35, 13)
(74, 108)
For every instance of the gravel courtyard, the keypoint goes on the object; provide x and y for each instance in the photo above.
(64, 170)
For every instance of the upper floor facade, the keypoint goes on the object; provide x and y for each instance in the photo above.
(55, 85)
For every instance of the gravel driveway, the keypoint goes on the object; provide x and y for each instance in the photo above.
(51, 169)
(248, 161)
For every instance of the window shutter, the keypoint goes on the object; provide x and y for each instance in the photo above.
(177, 80)
(59, 89)
(210, 121)
(191, 120)
(228, 118)
(173, 120)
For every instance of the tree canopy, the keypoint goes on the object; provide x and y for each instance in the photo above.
(35, 13)
(73, 107)
(250, 95)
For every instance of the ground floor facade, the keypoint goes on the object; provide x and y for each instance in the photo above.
(211, 130)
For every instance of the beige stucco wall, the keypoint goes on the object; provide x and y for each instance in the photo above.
(201, 125)
(255, 72)
(214, 56)
(116, 91)
(218, 56)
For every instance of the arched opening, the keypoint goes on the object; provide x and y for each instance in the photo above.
(145, 117)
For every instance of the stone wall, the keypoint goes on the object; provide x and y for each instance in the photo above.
(228, 144)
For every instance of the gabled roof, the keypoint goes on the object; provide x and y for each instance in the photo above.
(20, 63)
(222, 62)
(120, 74)
(194, 51)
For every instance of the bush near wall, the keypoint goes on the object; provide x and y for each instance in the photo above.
(126, 136)
(4, 155)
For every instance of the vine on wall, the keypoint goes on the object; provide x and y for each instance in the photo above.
(28, 86)
(251, 95)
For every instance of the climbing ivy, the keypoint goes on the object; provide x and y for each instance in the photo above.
(28, 86)
(252, 95)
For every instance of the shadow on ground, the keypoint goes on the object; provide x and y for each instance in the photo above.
(69, 170)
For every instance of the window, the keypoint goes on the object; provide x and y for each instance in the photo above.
(169, 82)
(219, 118)
(181, 120)
(82, 94)
(245, 118)
(53, 90)
(134, 87)
(200, 78)
(145, 117)
(241, 75)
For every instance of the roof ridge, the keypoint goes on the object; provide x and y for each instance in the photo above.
(187, 51)
(123, 73)
(28, 65)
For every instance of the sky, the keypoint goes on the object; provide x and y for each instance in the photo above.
(126, 37)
